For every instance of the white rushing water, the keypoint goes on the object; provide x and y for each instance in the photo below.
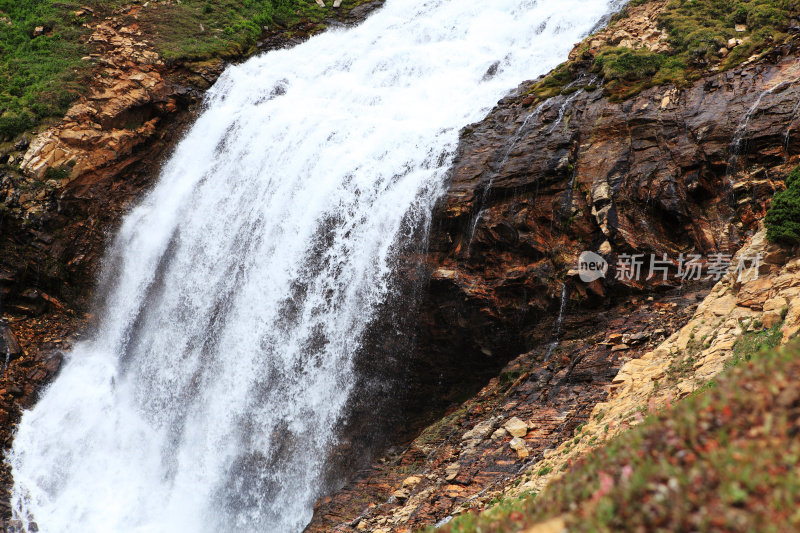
(240, 286)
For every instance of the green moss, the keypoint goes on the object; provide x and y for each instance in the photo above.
(696, 31)
(626, 64)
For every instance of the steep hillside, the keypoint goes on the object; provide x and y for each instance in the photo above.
(721, 460)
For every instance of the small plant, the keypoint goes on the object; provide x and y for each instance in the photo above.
(625, 64)
(57, 173)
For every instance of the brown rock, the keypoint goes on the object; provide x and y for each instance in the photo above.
(516, 427)
(519, 446)
(754, 293)
(9, 346)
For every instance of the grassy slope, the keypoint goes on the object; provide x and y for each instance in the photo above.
(41, 76)
(698, 30)
(723, 459)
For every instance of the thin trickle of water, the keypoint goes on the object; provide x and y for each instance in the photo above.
(237, 292)
(787, 135)
(738, 142)
(563, 110)
(530, 118)
(558, 327)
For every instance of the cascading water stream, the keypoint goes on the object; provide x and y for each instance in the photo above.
(533, 116)
(236, 293)
(788, 134)
(739, 142)
(559, 324)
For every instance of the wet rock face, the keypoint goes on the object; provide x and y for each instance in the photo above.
(519, 416)
(667, 172)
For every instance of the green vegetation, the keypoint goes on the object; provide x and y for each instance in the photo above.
(755, 342)
(625, 64)
(724, 459)
(697, 31)
(199, 29)
(57, 173)
(440, 430)
(783, 217)
(41, 72)
(39, 76)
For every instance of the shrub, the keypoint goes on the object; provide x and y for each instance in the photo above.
(627, 64)
(13, 123)
(57, 173)
(783, 217)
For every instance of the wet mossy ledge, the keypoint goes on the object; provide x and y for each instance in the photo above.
(46, 59)
(657, 42)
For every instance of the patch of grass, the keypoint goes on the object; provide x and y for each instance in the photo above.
(682, 365)
(39, 75)
(57, 174)
(507, 378)
(621, 63)
(754, 343)
(723, 459)
(545, 470)
(442, 428)
(199, 29)
(555, 82)
(783, 217)
(697, 31)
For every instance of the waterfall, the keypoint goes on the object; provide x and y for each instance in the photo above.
(237, 291)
